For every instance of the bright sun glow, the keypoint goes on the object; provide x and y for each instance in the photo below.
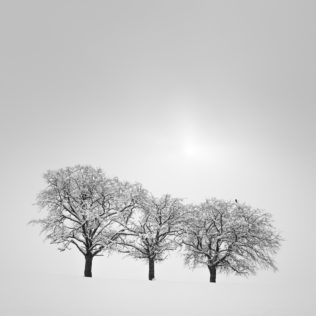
(192, 149)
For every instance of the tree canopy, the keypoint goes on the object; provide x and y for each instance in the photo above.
(93, 213)
(151, 233)
(82, 204)
(230, 237)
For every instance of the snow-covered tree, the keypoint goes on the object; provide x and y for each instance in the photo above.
(82, 205)
(230, 237)
(152, 231)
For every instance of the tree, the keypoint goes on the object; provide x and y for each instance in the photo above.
(151, 232)
(82, 204)
(229, 237)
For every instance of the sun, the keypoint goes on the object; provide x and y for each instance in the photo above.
(190, 149)
(193, 149)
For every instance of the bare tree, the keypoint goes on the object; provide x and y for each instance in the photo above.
(82, 204)
(151, 232)
(230, 237)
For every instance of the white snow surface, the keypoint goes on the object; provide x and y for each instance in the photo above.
(70, 295)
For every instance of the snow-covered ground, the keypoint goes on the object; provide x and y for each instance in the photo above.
(70, 295)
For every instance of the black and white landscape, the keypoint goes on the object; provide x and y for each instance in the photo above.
(180, 135)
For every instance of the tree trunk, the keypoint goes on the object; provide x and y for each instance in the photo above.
(88, 266)
(212, 270)
(151, 275)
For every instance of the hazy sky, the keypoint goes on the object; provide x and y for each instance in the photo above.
(193, 98)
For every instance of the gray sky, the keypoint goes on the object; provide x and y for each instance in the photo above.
(192, 98)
